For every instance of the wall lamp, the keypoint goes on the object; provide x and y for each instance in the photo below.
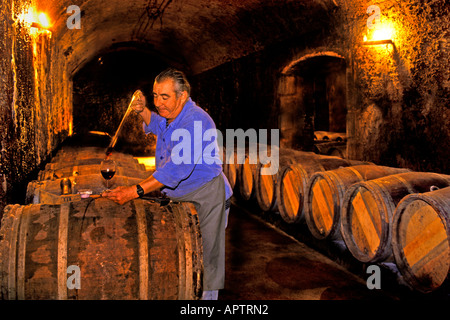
(33, 20)
(382, 35)
(377, 42)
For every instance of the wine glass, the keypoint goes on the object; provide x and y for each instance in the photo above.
(108, 170)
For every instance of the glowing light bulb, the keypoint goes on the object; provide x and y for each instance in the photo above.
(382, 33)
(43, 20)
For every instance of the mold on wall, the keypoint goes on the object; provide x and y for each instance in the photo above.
(397, 95)
(406, 81)
(35, 100)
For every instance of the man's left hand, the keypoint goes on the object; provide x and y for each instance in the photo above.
(121, 195)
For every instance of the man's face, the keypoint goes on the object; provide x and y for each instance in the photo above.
(166, 101)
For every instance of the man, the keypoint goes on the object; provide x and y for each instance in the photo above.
(198, 179)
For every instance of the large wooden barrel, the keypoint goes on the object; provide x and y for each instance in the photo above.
(52, 192)
(293, 180)
(324, 195)
(136, 251)
(73, 171)
(87, 152)
(368, 207)
(246, 180)
(68, 163)
(266, 185)
(421, 239)
(330, 136)
(332, 148)
(231, 165)
(338, 151)
(248, 160)
(72, 156)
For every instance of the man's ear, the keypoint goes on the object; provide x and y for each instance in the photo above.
(184, 96)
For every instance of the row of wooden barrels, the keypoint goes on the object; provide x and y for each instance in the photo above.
(61, 245)
(381, 213)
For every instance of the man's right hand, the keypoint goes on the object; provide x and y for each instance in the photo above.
(139, 103)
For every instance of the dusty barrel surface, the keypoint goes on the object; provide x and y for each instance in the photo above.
(90, 156)
(136, 251)
(71, 162)
(52, 192)
(421, 239)
(325, 192)
(368, 208)
(73, 171)
(87, 152)
(293, 180)
(266, 184)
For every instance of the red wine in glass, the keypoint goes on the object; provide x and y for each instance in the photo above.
(107, 174)
(108, 170)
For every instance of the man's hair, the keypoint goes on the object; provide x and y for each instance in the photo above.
(179, 78)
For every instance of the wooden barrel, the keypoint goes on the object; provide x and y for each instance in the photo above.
(338, 151)
(52, 192)
(338, 148)
(136, 251)
(247, 172)
(87, 152)
(231, 166)
(73, 171)
(368, 207)
(324, 195)
(265, 184)
(88, 155)
(293, 180)
(67, 163)
(330, 136)
(421, 239)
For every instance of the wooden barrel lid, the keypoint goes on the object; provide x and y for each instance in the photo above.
(421, 243)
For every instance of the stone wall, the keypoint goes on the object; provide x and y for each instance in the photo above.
(35, 100)
(397, 95)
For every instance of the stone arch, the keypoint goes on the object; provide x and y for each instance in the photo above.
(312, 95)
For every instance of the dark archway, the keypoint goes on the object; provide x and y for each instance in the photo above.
(312, 98)
(102, 90)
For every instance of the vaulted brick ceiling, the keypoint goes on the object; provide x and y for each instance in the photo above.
(197, 34)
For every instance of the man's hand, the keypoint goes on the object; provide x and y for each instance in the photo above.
(121, 195)
(139, 103)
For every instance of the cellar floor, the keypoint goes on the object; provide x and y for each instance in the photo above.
(263, 262)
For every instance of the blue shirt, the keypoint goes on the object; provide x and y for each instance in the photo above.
(186, 155)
